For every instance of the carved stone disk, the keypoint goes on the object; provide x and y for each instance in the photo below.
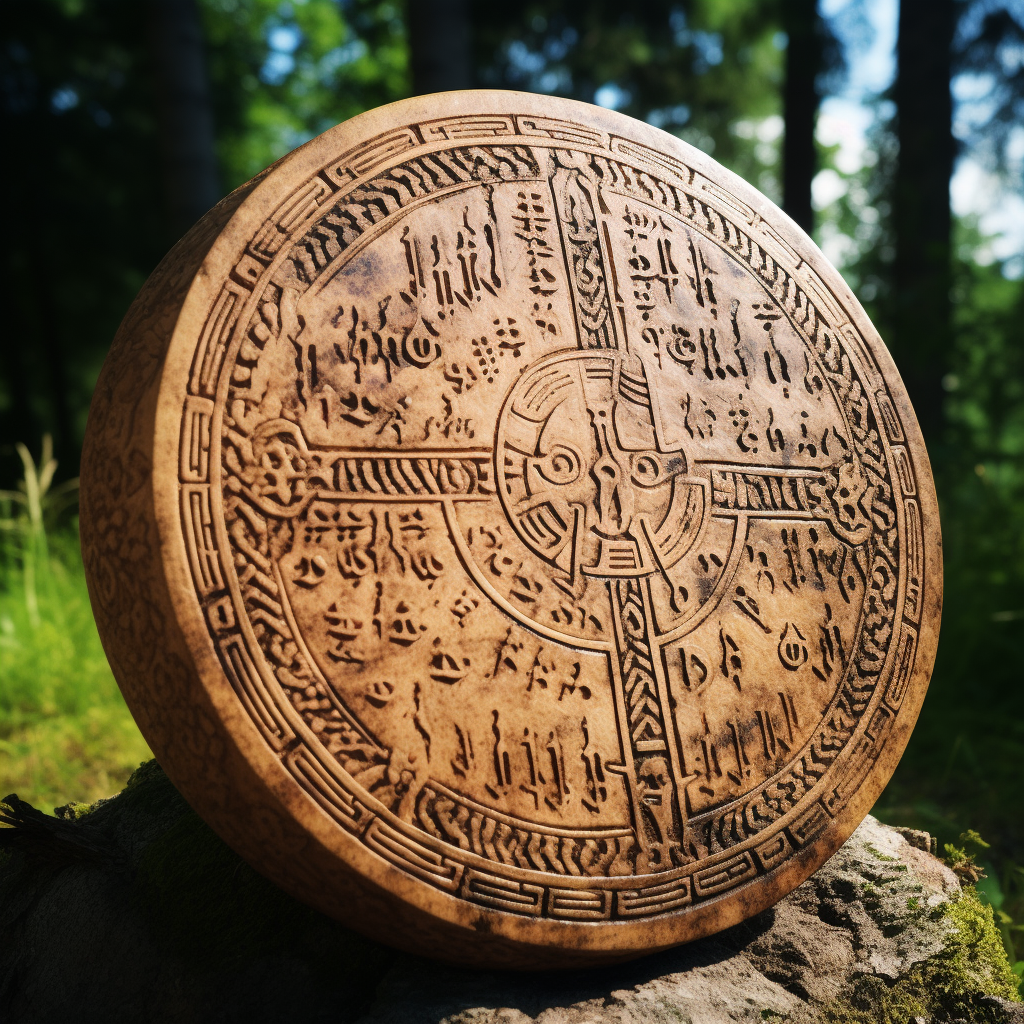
(511, 534)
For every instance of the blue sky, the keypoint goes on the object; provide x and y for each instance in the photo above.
(846, 120)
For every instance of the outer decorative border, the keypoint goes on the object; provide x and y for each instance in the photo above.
(129, 427)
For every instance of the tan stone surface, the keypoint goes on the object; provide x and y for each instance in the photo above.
(511, 534)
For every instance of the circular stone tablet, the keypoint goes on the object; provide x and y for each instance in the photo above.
(511, 535)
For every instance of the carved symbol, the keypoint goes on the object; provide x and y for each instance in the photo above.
(792, 647)
(606, 501)
(402, 631)
(462, 606)
(380, 693)
(695, 667)
(446, 669)
(310, 572)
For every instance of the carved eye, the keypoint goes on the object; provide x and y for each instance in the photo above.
(647, 470)
(562, 465)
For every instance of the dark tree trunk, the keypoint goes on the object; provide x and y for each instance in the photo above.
(440, 45)
(804, 58)
(921, 274)
(18, 421)
(185, 118)
(66, 445)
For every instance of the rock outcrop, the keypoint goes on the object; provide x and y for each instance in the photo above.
(134, 911)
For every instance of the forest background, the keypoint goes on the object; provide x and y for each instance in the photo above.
(123, 121)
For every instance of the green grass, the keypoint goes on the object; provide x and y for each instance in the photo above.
(65, 732)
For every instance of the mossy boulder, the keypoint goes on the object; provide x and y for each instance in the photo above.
(132, 910)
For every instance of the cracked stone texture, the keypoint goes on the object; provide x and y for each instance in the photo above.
(850, 918)
(137, 912)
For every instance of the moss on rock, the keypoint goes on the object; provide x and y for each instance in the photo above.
(966, 981)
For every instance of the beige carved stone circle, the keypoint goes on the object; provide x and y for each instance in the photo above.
(511, 534)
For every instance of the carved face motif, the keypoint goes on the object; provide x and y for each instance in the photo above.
(652, 780)
(582, 462)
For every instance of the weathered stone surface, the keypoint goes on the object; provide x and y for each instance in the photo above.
(504, 505)
(134, 911)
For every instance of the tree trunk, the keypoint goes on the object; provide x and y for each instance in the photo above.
(184, 115)
(66, 444)
(440, 45)
(921, 274)
(800, 107)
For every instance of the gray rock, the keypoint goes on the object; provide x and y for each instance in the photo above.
(135, 911)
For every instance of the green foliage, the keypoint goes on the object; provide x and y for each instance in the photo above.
(282, 73)
(964, 766)
(962, 863)
(1004, 892)
(29, 508)
(708, 70)
(64, 728)
(77, 106)
(856, 229)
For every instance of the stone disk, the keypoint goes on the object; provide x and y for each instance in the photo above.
(511, 535)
